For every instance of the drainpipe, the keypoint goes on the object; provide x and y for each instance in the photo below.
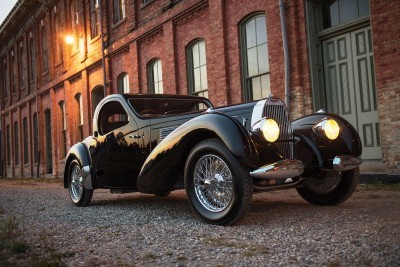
(103, 60)
(285, 52)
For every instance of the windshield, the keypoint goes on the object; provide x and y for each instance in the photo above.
(155, 107)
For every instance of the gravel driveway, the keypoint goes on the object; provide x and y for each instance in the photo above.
(280, 229)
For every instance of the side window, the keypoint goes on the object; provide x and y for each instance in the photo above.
(112, 116)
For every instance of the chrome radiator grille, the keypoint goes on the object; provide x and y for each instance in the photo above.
(275, 109)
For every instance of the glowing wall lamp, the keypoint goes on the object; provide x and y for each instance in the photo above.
(69, 39)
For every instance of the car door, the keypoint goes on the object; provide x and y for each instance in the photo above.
(121, 146)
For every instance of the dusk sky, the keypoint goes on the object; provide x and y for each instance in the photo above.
(6, 6)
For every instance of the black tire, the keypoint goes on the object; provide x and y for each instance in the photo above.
(337, 195)
(79, 195)
(230, 184)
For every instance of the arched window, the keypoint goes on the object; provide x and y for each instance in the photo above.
(14, 74)
(123, 83)
(97, 96)
(78, 98)
(75, 21)
(63, 124)
(94, 18)
(22, 66)
(197, 74)
(45, 52)
(255, 62)
(155, 81)
(5, 79)
(119, 10)
(25, 136)
(32, 63)
(8, 138)
(59, 40)
(16, 144)
(35, 134)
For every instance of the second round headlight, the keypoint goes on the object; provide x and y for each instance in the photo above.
(331, 129)
(270, 130)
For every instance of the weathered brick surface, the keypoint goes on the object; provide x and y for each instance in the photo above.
(164, 29)
(386, 41)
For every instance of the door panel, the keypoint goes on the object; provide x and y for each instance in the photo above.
(350, 85)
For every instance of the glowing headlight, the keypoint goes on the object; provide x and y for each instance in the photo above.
(270, 130)
(331, 129)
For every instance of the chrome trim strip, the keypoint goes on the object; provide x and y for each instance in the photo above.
(345, 163)
(287, 168)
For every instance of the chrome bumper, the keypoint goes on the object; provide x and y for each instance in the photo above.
(287, 168)
(86, 177)
(345, 163)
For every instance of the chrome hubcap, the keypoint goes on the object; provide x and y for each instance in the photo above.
(76, 186)
(213, 183)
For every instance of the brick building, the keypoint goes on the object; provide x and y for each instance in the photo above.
(342, 57)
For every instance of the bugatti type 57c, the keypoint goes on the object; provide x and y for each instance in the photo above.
(159, 143)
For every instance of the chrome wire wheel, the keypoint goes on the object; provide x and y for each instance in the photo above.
(76, 184)
(213, 183)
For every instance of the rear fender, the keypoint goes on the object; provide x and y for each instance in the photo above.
(79, 152)
(171, 153)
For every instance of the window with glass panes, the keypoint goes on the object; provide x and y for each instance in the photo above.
(78, 98)
(119, 10)
(35, 138)
(198, 84)
(123, 83)
(97, 96)
(45, 51)
(155, 77)
(21, 66)
(16, 144)
(255, 62)
(5, 80)
(25, 132)
(94, 18)
(63, 123)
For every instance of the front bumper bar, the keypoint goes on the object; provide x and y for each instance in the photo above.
(345, 163)
(287, 168)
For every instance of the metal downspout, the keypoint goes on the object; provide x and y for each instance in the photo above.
(285, 52)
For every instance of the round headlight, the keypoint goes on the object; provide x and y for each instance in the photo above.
(270, 130)
(331, 129)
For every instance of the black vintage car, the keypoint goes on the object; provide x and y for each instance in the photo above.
(158, 143)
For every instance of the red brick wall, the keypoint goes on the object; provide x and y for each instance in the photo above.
(386, 41)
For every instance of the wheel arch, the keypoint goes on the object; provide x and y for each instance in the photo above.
(80, 153)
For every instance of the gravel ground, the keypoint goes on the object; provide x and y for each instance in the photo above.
(280, 229)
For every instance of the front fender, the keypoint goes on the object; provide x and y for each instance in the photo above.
(80, 152)
(171, 153)
(316, 150)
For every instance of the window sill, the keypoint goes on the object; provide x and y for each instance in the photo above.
(45, 73)
(58, 64)
(121, 21)
(95, 39)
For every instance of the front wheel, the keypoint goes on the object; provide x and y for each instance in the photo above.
(80, 196)
(219, 189)
(330, 187)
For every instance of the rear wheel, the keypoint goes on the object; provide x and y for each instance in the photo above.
(80, 196)
(219, 189)
(330, 187)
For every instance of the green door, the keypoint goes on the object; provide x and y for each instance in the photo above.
(350, 85)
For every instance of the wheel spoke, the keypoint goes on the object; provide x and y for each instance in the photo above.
(213, 183)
